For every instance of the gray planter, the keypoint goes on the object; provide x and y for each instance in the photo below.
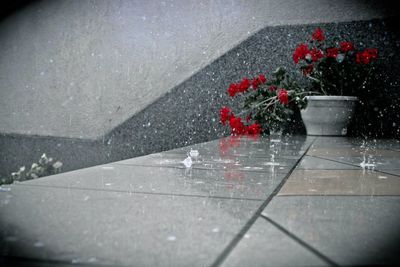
(328, 115)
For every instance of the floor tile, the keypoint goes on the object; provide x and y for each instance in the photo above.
(348, 230)
(386, 164)
(313, 163)
(341, 182)
(265, 245)
(228, 183)
(258, 164)
(123, 229)
(351, 152)
(238, 146)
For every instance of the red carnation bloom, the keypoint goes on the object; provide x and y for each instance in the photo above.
(259, 80)
(308, 69)
(283, 96)
(273, 88)
(346, 46)
(316, 54)
(225, 114)
(318, 35)
(366, 56)
(244, 85)
(254, 129)
(233, 89)
(262, 78)
(237, 126)
(300, 53)
(332, 52)
(255, 83)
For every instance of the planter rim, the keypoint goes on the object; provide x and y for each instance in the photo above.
(332, 97)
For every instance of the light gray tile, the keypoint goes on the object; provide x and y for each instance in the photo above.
(312, 163)
(123, 229)
(265, 245)
(386, 164)
(348, 230)
(341, 182)
(244, 146)
(229, 183)
(258, 164)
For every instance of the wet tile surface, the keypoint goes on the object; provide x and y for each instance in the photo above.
(154, 210)
(265, 245)
(229, 183)
(348, 230)
(341, 182)
(98, 227)
(313, 163)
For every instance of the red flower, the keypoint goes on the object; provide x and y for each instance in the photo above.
(255, 128)
(308, 69)
(233, 89)
(366, 56)
(300, 53)
(259, 80)
(373, 52)
(346, 46)
(255, 83)
(237, 126)
(262, 78)
(273, 88)
(318, 35)
(225, 114)
(283, 96)
(244, 85)
(316, 54)
(332, 52)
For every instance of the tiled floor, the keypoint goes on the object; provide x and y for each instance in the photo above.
(294, 201)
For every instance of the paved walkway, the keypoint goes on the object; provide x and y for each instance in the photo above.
(298, 201)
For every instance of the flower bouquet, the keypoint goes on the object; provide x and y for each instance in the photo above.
(329, 69)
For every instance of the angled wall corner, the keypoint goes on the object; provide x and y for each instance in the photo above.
(80, 68)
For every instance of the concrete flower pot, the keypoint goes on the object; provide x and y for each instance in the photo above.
(328, 115)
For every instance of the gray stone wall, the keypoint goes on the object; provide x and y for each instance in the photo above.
(189, 113)
(81, 68)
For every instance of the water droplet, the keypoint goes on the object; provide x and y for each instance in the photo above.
(171, 238)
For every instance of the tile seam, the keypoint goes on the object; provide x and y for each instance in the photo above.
(229, 248)
(350, 164)
(298, 240)
(139, 193)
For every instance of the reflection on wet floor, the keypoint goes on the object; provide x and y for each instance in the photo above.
(330, 200)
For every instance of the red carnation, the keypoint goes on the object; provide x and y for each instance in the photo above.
(259, 80)
(262, 78)
(318, 35)
(372, 52)
(316, 54)
(233, 89)
(332, 52)
(254, 129)
(366, 56)
(244, 85)
(273, 88)
(225, 114)
(283, 96)
(237, 126)
(346, 46)
(255, 83)
(308, 70)
(300, 53)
